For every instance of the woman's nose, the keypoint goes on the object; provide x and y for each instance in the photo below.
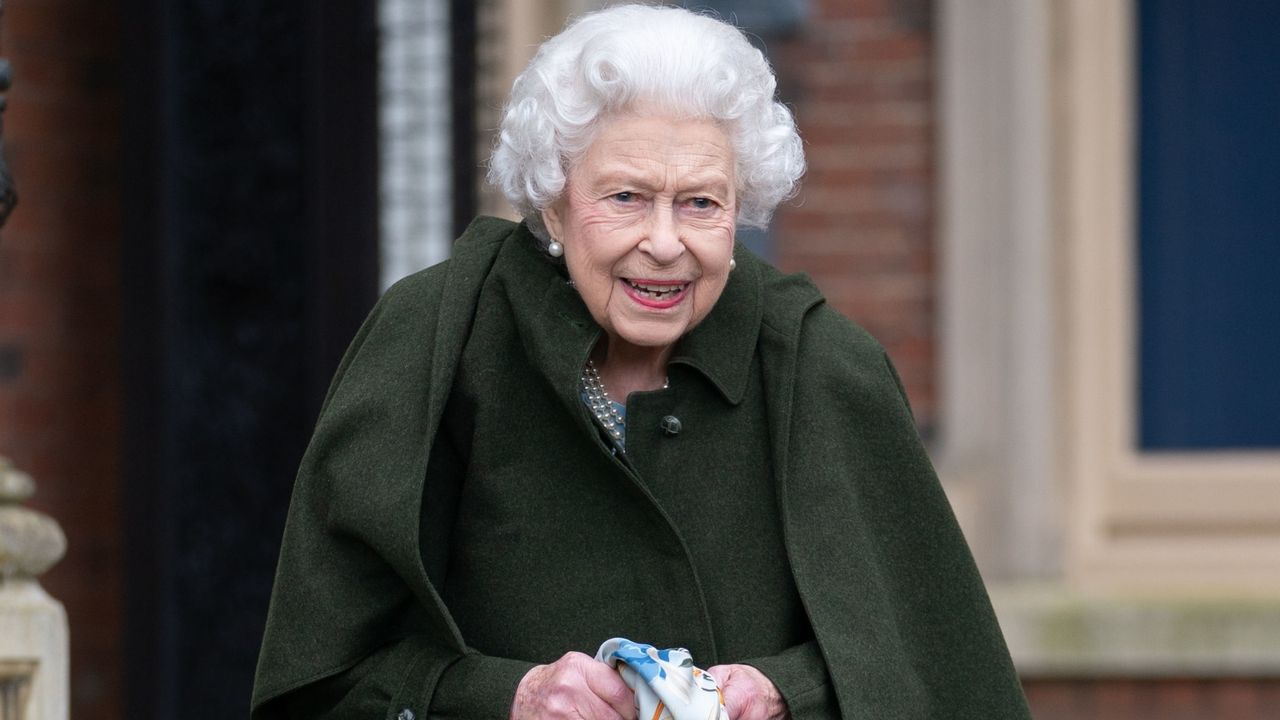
(663, 242)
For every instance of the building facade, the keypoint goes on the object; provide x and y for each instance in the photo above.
(1053, 213)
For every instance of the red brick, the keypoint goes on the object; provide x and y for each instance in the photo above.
(1051, 700)
(1238, 700)
(1179, 700)
(868, 10)
(62, 28)
(59, 290)
(862, 225)
(1168, 699)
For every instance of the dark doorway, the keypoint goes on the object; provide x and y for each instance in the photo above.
(250, 258)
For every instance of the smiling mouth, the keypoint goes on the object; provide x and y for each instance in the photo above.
(657, 291)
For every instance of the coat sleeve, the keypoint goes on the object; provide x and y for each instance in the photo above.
(416, 673)
(893, 593)
(389, 682)
(356, 627)
(801, 676)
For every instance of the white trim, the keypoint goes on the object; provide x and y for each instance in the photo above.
(995, 450)
(1137, 519)
(1054, 632)
(1038, 337)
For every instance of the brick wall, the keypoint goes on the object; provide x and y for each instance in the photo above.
(59, 312)
(859, 76)
(1174, 699)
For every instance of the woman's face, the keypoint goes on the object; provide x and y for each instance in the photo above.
(646, 221)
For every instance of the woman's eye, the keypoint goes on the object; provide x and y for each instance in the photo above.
(624, 196)
(701, 203)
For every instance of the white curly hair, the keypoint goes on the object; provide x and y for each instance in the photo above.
(629, 57)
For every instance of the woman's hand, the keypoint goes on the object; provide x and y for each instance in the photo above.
(748, 694)
(575, 686)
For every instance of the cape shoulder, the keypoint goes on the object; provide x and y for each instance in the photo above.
(473, 253)
(403, 324)
(349, 561)
(828, 348)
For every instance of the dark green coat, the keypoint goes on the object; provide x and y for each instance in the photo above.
(358, 629)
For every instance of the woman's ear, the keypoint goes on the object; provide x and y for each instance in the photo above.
(551, 219)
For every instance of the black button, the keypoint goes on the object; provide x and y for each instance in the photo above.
(671, 425)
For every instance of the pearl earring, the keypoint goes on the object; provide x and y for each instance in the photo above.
(555, 249)
(732, 263)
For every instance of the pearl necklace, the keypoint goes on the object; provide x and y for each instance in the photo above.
(601, 404)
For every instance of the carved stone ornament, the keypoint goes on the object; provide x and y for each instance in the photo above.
(15, 688)
(30, 542)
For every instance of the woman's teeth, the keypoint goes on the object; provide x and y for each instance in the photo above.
(656, 292)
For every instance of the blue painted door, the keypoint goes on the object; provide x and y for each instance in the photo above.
(1209, 224)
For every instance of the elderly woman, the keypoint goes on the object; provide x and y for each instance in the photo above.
(609, 420)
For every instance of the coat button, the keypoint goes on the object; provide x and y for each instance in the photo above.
(406, 714)
(671, 425)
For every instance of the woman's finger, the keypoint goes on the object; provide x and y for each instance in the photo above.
(607, 684)
(748, 694)
(575, 686)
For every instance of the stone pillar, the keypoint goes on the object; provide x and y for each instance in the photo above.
(33, 626)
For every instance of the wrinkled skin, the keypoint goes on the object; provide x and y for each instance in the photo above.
(578, 687)
(574, 687)
(653, 203)
(748, 694)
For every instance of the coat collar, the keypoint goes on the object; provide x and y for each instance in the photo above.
(555, 329)
(722, 345)
(559, 332)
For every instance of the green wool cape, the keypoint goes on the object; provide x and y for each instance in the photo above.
(898, 611)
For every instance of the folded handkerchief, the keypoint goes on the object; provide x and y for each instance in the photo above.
(666, 684)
